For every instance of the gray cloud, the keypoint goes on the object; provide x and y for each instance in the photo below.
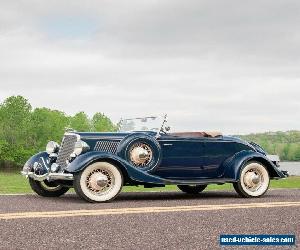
(225, 65)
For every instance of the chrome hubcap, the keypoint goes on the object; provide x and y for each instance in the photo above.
(140, 154)
(100, 181)
(253, 179)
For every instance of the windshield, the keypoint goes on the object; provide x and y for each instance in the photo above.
(150, 123)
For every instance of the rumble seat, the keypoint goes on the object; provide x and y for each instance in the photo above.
(197, 134)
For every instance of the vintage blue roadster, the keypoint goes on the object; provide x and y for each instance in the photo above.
(144, 152)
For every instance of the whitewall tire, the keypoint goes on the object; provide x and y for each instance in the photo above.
(254, 180)
(99, 182)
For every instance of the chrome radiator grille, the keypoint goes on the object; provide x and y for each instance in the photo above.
(107, 146)
(67, 148)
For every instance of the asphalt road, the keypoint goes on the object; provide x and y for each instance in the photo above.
(145, 220)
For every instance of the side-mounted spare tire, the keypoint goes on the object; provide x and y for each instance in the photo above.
(141, 150)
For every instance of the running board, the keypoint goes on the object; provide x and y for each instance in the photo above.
(199, 181)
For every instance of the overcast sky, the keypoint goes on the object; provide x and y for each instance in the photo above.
(232, 66)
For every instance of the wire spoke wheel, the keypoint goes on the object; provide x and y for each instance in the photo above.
(99, 182)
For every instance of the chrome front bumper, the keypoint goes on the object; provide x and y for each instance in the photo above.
(49, 176)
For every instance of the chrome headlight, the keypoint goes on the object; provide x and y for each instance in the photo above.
(81, 147)
(26, 167)
(52, 147)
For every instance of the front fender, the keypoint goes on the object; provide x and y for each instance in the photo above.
(40, 161)
(234, 164)
(135, 174)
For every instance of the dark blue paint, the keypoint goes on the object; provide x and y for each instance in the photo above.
(178, 160)
(234, 164)
(130, 140)
(133, 173)
(42, 159)
(194, 158)
(183, 159)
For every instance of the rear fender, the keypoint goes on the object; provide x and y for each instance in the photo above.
(129, 171)
(234, 164)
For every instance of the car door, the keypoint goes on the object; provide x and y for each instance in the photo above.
(217, 150)
(182, 158)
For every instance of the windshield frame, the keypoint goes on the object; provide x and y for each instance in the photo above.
(160, 126)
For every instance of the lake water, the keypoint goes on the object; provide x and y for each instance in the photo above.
(292, 167)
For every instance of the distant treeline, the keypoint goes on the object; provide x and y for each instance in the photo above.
(25, 131)
(284, 144)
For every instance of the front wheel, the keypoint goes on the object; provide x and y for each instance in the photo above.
(99, 182)
(189, 189)
(254, 180)
(47, 189)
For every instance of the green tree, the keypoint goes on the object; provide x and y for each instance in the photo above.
(24, 132)
(15, 119)
(102, 123)
(284, 144)
(47, 125)
(80, 122)
(285, 151)
(297, 153)
(3, 149)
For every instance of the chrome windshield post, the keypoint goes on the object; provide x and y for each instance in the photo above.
(162, 126)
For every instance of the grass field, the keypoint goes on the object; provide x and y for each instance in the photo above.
(12, 183)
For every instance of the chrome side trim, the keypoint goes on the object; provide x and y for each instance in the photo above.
(102, 138)
(48, 176)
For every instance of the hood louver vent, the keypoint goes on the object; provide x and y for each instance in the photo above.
(107, 146)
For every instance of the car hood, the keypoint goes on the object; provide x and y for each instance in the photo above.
(121, 135)
(91, 135)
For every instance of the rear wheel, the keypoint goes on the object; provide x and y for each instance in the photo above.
(192, 189)
(47, 189)
(99, 182)
(254, 180)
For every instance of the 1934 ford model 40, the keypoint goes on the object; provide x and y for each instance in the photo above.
(97, 165)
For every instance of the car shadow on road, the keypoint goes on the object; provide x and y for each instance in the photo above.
(174, 196)
(72, 201)
(126, 197)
